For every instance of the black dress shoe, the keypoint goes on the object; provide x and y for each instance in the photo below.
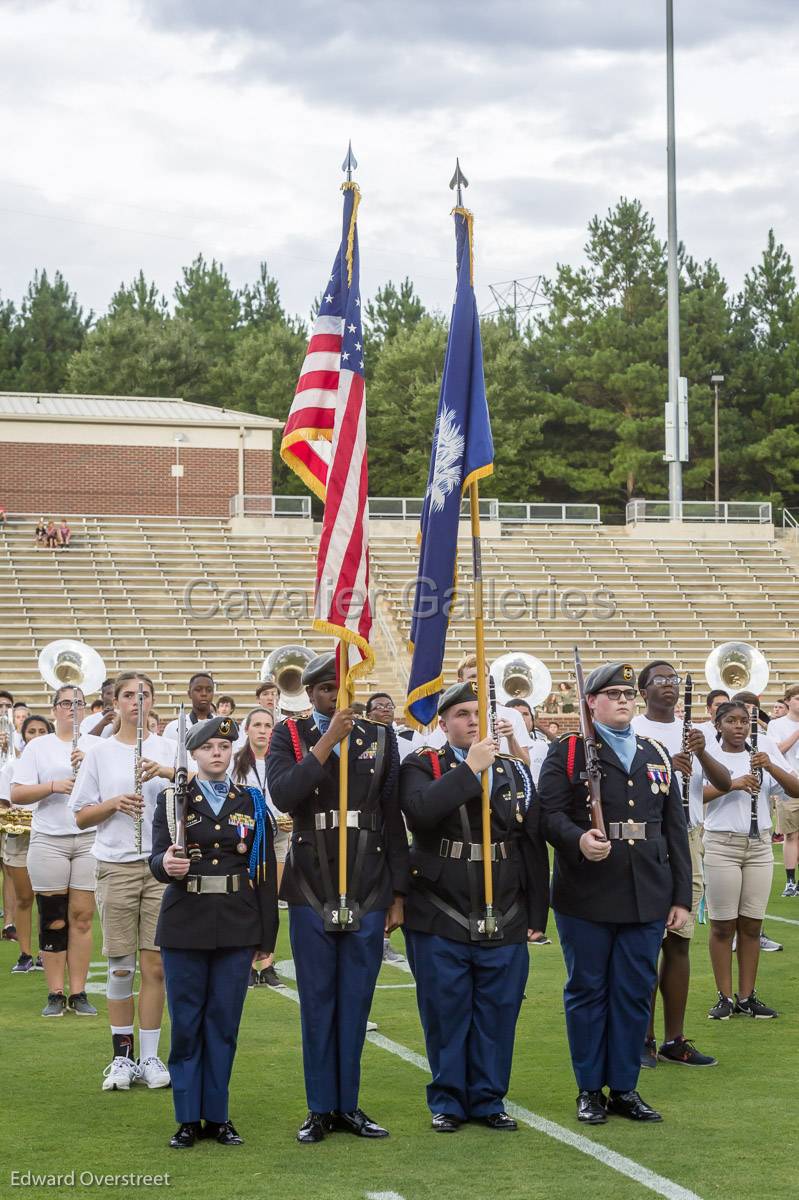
(591, 1108)
(186, 1135)
(358, 1123)
(500, 1120)
(630, 1105)
(225, 1134)
(446, 1123)
(314, 1128)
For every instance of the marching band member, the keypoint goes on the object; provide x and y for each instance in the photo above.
(128, 896)
(470, 989)
(60, 861)
(16, 848)
(201, 694)
(738, 868)
(219, 909)
(613, 896)
(659, 684)
(337, 971)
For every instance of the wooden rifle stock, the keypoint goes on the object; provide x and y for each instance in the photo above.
(593, 770)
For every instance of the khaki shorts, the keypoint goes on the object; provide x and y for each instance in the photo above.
(697, 882)
(282, 843)
(15, 849)
(128, 900)
(59, 862)
(788, 816)
(738, 875)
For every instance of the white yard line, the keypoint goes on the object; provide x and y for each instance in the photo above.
(650, 1180)
(784, 920)
(383, 1196)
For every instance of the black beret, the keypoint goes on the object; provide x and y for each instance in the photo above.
(459, 693)
(321, 669)
(215, 727)
(615, 674)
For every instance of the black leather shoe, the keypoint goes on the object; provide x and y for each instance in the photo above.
(358, 1123)
(501, 1121)
(630, 1105)
(225, 1134)
(446, 1123)
(314, 1128)
(591, 1108)
(185, 1136)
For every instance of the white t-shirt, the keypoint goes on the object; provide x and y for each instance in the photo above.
(6, 771)
(732, 813)
(669, 734)
(781, 728)
(44, 760)
(171, 730)
(106, 771)
(256, 777)
(538, 752)
(436, 738)
(88, 724)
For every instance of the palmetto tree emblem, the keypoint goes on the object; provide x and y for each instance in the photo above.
(447, 471)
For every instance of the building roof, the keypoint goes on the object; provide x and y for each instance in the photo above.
(125, 410)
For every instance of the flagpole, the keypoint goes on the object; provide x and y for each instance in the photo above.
(343, 788)
(459, 182)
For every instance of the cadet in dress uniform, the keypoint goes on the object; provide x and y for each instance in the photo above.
(613, 897)
(469, 988)
(337, 969)
(220, 907)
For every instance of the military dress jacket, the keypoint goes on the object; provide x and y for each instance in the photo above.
(377, 843)
(442, 804)
(210, 921)
(640, 879)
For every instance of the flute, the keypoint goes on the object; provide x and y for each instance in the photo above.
(754, 832)
(75, 727)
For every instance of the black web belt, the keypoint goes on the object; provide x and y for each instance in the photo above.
(635, 831)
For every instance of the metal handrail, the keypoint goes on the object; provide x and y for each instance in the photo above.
(724, 512)
(789, 521)
(270, 506)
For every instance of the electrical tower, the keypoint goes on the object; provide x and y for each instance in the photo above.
(517, 298)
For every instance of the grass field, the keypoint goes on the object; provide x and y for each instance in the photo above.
(728, 1130)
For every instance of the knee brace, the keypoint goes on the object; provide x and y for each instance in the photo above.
(120, 977)
(53, 909)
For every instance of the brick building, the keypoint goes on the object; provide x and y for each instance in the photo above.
(114, 454)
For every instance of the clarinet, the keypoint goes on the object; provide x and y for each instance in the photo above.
(686, 729)
(492, 710)
(138, 786)
(181, 787)
(754, 832)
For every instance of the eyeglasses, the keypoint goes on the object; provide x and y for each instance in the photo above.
(618, 693)
(387, 707)
(662, 680)
(69, 703)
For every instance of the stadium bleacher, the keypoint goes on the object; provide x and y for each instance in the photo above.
(121, 587)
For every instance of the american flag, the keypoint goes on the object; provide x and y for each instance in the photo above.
(324, 442)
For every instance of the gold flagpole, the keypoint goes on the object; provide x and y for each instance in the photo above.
(343, 786)
(482, 702)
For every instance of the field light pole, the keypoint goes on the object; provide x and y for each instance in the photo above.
(716, 380)
(675, 467)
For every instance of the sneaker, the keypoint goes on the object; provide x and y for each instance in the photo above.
(56, 1005)
(390, 955)
(120, 1074)
(153, 1073)
(78, 1004)
(649, 1053)
(681, 1051)
(23, 964)
(750, 1006)
(269, 977)
(540, 940)
(371, 1026)
(9, 933)
(769, 946)
(723, 1009)
(282, 904)
(38, 965)
(789, 890)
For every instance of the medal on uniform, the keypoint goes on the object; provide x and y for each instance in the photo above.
(658, 779)
(242, 832)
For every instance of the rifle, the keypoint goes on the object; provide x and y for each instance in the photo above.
(593, 771)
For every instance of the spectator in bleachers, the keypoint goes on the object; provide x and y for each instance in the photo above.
(41, 533)
(225, 706)
(553, 730)
(2, 517)
(64, 534)
(565, 697)
(201, 694)
(51, 535)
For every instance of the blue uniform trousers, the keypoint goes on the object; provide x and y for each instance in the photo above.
(469, 998)
(205, 991)
(612, 968)
(336, 976)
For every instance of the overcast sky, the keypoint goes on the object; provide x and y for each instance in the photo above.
(136, 134)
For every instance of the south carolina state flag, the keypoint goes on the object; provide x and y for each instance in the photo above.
(462, 452)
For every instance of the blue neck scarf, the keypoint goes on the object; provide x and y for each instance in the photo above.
(461, 757)
(215, 792)
(323, 724)
(621, 741)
